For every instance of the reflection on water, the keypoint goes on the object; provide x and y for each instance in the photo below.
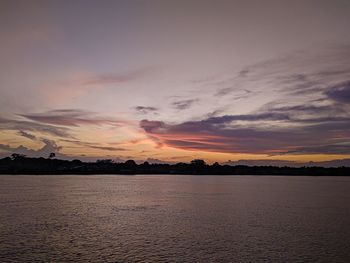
(174, 219)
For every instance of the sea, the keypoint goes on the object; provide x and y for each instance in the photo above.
(174, 218)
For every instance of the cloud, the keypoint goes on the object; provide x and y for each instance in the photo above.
(28, 126)
(223, 91)
(248, 117)
(150, 126)
(184, 104)
(115, 78)
(27, 135)
(340, 92)
(78, 86)
(239, 93)
(146, 109)
(265, 133)
(93, 145)
(70, 117)
(341, 148)
(48, 147)
(107, 148)
(291, 105)
(298, 77)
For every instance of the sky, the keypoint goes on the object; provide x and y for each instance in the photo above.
(172, 81)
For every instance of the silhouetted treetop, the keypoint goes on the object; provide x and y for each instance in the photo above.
(130, 163)
(105, 161)
(20, 164)
(17, 156)
(198, 162)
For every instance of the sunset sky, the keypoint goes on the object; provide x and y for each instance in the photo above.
(176, 80)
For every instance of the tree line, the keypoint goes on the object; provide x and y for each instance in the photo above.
(21, 164)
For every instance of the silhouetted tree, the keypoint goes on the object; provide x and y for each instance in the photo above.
(17, 156)
(198, 162)
(216, 165)
(130, 163)
(52, 155)
(76, 162)
(20, 164)
(105, 161)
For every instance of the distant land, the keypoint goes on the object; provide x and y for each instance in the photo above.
(280, 163)
(20, 164)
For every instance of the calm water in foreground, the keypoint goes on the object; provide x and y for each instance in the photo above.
(174, 219)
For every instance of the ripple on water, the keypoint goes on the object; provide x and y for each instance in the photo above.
(174, 219)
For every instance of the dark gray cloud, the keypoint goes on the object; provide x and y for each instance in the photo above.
(340, 92)
(27, 135)
(311, 113)
(146, 109)
(248, 117)
(223, 91)
(342, 148)
(238, 93)
(107, 148)
(184, 104)
(150, 126)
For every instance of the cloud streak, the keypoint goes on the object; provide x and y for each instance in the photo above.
(184, 104)
(340, 93)
(27, 135)
(94, 145)
(28, 126)
(115, 78)
(71, 117)
(146, 109)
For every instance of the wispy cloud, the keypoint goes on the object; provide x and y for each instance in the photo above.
(146, 109)
(184, 104)
(296, 77)
(71, 117)
(300, 106)
(80, 84)
(29, 126)
(27, 135)
(93, 145)
(115, 78)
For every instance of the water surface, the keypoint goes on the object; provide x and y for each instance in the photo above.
(174, 218)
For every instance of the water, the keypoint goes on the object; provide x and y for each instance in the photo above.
(174, 219)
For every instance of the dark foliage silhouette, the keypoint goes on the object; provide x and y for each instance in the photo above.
(20, 164)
